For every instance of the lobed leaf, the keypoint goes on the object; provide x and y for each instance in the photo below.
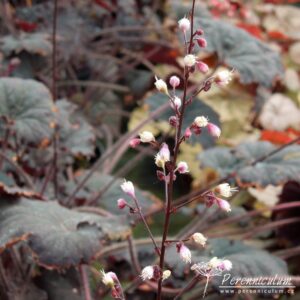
(57, 236)
(34, 43)
(276, 169)
(27, 104)
(254, 60)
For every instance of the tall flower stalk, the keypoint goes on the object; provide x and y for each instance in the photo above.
(166, 159)
(180, 115)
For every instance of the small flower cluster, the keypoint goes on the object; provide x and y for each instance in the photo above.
(213, 267)
(154, 272)
(202, 122)
(144, 137)
(224, 190)
(111, 280)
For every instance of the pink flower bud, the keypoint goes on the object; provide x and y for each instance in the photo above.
(224, 205)
(199, 32)
(214, 130)
(184, 253)
(209, 199)
(202, 42)
(160, 175)
(197, 130)
(173, 121)
(202, 67)
(187, 133)
(174, 81)
(122, 203)
(128, 188)
(134, 142)
(182, 167)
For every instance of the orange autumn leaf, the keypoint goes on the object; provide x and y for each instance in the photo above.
(279, 137)
(252, 29)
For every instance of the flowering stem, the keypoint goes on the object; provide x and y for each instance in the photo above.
(169, 190)
(139, 210)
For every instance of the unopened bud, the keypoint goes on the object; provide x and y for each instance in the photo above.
(122, 203)
(173, 121)
(174, 81)
(202, 67)
(202, 43)
(134, 142)
(214, 130)
(187, 133)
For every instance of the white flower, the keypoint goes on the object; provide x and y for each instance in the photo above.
(128, 188)
(162, 156)
(226, 265)
(166, 274)
(189, 60)
(161, 86)
(147, 273)
(147, 137)
(214, 262)
(184, 24)
(108, 278)
(225, 190)
(223, 204)
(223, 77)
(185, 254)
(176, 103)
(201, 121)
(182, 167)
(199, 238)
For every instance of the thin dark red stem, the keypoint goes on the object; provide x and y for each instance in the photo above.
(139, 210)
(54, 93)
(176, 149)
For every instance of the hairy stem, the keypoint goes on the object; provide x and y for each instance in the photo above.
(169, 192)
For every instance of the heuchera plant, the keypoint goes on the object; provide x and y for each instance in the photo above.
(169, 168)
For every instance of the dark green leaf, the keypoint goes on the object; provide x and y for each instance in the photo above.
(76, 135)
(28, 104)
(276, 169)
(254, 60)
(113, 192)
(34, 43)
(58, 237)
